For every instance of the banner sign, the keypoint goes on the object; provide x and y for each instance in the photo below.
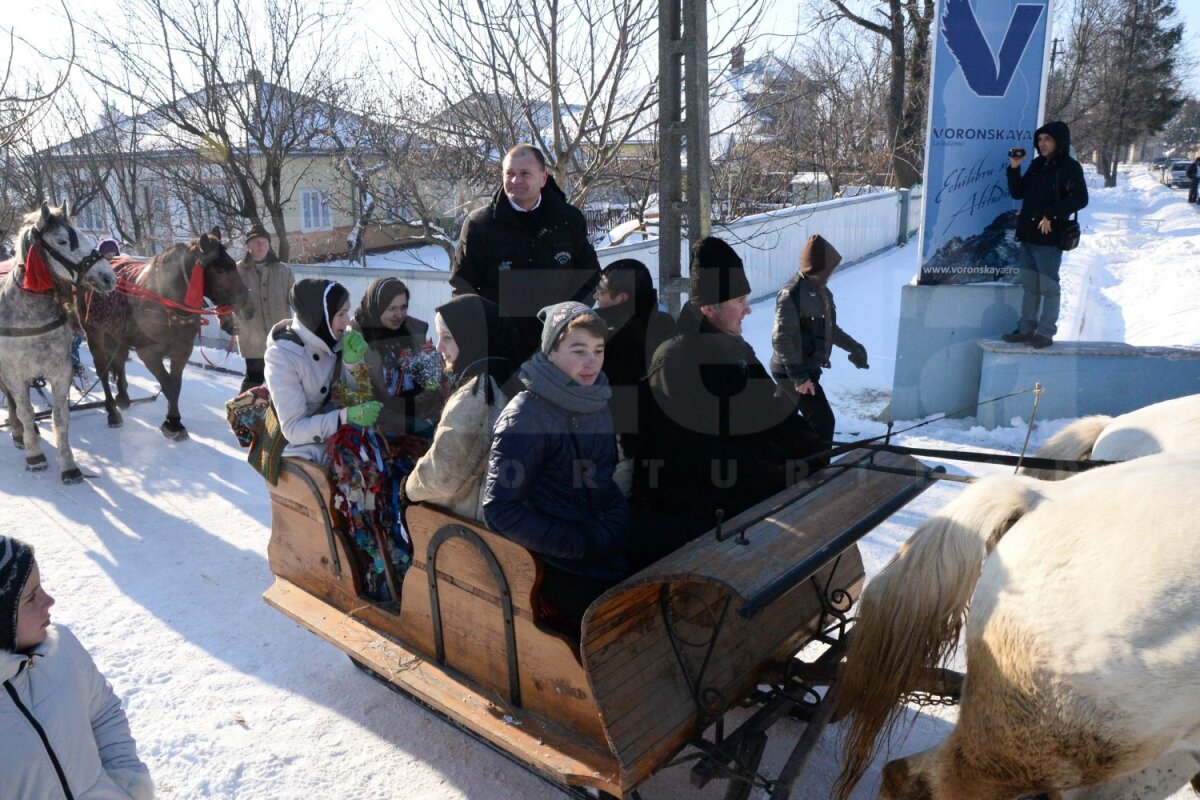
(986, 96)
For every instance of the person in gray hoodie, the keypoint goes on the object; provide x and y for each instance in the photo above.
(63, 732)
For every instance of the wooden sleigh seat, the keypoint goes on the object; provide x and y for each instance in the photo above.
(662, 654)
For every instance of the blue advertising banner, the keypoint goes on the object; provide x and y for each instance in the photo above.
(986, 96)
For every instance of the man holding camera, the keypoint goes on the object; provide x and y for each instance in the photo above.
(1050, 191)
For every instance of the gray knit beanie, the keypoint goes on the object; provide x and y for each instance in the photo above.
(555, 319)
(16, 562)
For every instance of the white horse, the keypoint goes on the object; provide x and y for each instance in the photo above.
(35, 337)
(1083, 641)
(1171, 426)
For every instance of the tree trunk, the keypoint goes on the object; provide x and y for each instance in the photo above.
(282, 248)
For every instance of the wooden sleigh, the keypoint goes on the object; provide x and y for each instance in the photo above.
(664, 655)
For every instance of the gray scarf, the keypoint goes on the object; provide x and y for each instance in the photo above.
(548, 381)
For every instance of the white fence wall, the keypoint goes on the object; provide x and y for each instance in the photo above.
(769, 245)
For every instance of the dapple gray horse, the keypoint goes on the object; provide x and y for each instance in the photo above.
(35, 334)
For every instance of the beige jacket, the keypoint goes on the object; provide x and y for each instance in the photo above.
(269, 285)
(450, 474)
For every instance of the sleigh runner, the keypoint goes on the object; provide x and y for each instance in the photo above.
(664, 654)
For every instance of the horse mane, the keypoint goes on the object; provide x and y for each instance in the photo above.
(910, 615)
(1072, 443)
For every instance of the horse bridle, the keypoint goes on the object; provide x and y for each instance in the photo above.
(76, 268)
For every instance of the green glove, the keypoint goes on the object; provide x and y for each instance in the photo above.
(364, 414)
(354, 347)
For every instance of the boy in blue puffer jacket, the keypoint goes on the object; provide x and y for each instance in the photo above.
(549, 484)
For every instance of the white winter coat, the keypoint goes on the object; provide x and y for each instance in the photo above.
(300, 378)
(60, 687)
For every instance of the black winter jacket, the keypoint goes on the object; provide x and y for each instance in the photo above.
(635, 333)
(526, 263)
(717, 435)
(1053, 188)
(806, 331)
(549, 487)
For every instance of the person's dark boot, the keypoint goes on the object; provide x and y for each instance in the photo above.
(1016, 337)
(1040, 342)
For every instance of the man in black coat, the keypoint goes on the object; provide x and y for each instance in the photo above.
(527, 249)
(1193, 173)
(719, 435)
(628, 302)
(1050, 191)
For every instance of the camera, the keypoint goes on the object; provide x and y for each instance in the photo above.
(1016, 152)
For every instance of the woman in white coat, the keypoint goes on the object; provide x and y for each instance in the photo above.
(62, 730)
(304, 361)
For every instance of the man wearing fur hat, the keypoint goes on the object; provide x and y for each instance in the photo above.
(718, 436)
(526, 249)
(269, 281)
(806, 332)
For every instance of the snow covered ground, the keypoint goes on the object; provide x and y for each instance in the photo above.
(158, 562)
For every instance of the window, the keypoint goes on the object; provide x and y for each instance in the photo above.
(90, 217)
(315, 213)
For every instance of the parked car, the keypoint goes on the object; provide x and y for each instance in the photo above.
(1175, 175)
(1158, 162)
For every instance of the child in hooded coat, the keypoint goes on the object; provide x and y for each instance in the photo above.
(63, 732)
(805, 334)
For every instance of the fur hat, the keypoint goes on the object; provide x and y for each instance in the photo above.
(716, 273)
(108, 247)
(257, 231)
(819, 258)
(16, 562)
(555, 319)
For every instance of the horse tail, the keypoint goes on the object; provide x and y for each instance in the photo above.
(1072, 443)
(911, 613)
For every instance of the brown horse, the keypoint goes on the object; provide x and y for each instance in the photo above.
(151, 316)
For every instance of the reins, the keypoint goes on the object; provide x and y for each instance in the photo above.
(130, 288)
(1017, 462)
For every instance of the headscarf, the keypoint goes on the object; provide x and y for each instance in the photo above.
(316, 302)
(487, 342)
(368, 317)
(16, 564)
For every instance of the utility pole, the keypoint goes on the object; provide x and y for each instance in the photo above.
(1054, 52)
(682, 123)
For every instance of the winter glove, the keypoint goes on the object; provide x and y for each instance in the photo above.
(354, 347)
(858, 357)
(364, 414)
